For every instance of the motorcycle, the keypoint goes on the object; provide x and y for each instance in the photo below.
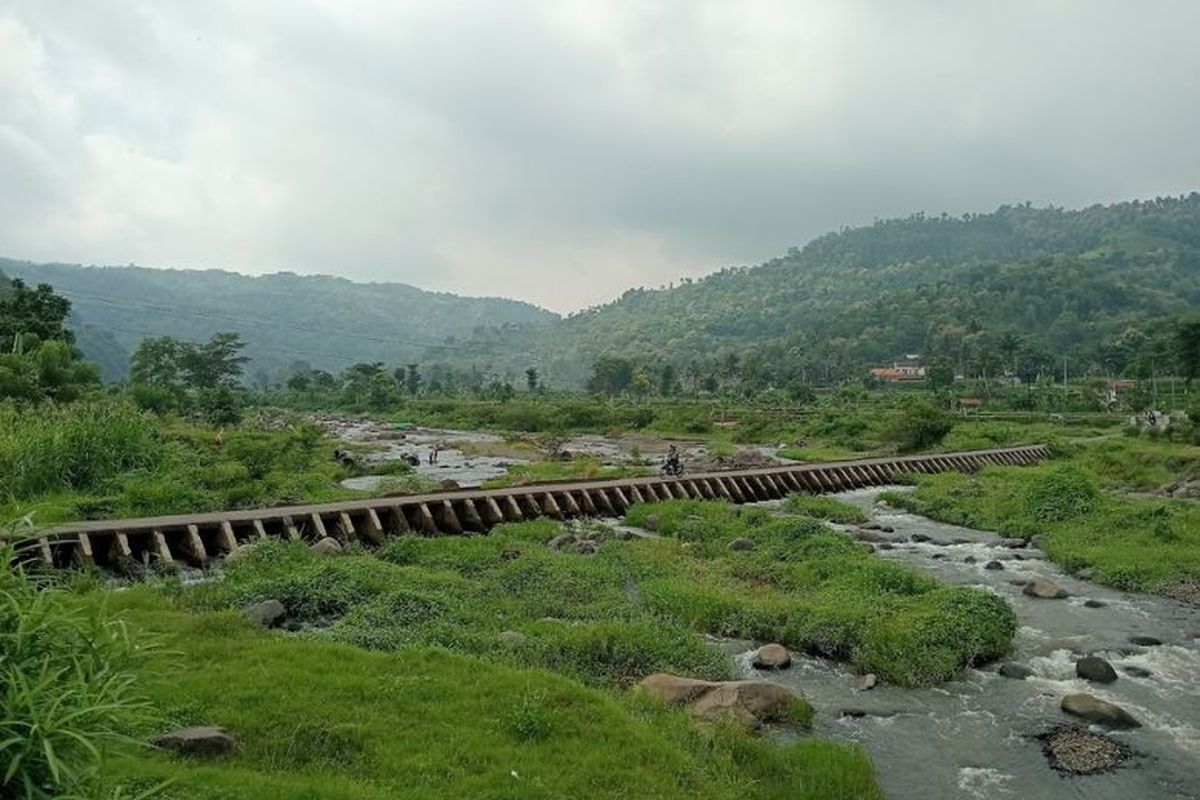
(672, 468)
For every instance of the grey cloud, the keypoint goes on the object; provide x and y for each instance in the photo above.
(561, 151)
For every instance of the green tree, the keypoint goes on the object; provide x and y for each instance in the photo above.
(531, 379)
(158, 361)
(1187, 343)
(939, 375)
(611, 375)
(412, 379)
(38, 312)
(217, 362)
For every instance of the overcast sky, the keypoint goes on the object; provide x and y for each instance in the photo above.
(560, 151)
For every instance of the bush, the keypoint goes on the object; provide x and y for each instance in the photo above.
(920, 427)
(67, 689)
(1062, 494)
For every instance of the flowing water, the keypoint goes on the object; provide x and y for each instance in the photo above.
(973, 737)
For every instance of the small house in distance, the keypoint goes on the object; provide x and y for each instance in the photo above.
(903, 369)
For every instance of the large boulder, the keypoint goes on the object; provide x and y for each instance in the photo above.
(1018, 672)
(198, 741)
(1046, 590)
(1095, 669)
(268, 613)
(772, 656)
(748, 702)
(327, 546)
(1096, 710)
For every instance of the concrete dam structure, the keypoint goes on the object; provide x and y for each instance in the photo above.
(197, 539)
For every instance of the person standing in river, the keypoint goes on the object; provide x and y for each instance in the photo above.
(433, 454)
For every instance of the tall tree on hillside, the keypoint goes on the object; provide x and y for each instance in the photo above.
(531, 379)
(34, 312)
(217, 362)
(412, 379)
(611, 375)
(158, 361)
(1187, 340)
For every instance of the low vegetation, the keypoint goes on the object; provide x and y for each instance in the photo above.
(320, 718)
(68, 689)
(1131, 542)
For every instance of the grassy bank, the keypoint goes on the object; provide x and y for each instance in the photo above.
(321, 719)
(107, 459)
(1079, 506)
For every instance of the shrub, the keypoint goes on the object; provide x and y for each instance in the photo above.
(67, 689)
(1063, 493)
(920, 427)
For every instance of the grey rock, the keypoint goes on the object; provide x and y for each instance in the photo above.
(512, 639)
(742, 544)
(772, 656)
(1044, 589)
(1017, 672)
(1094, 604)
(871, 526)
(1013, 543)
(920, 537)
(268, 613)
(1095, 669)
(1096, 710)
(562, 541)
(584, 548)
(993, 565)
(1145, 641)
(969, 560)
(1086, 574)
(327, 546)
(868, 682)
(1137, 672)
(197, 741)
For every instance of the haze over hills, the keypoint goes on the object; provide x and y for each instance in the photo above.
(328, 322)
(1019, 287)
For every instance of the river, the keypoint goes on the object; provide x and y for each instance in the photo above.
(974, 737)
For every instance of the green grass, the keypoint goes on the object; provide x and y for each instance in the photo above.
(1131, 543)
(816, 590)
(575, 468)
(322, 719)
(822, 507)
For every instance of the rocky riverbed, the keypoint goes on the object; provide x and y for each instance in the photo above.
(987, 736)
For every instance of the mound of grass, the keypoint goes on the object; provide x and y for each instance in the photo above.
(575, 468)
(1131, 543)
(822, 507)
(316, 718)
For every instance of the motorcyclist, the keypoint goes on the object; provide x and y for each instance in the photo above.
(673, 465)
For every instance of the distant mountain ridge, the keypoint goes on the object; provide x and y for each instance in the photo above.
(1066, 283)
(326, 321)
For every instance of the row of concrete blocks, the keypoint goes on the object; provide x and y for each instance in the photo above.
(196, 540)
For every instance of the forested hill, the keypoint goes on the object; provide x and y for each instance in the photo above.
(1022, 285)
(330, 323)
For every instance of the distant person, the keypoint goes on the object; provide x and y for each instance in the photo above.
(433, 454)
(673, 465)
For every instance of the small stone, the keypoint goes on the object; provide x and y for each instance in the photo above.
(562, 541)
(1094, 604)
(742, 544)
(1013, 543)
(198, 741)
(1018, 672)
(1095, 710)
(993, 565)
(885, 546)
(584, 548)
(268, 613)
(871, 526)
(969, 560)
(1145, 641)
(1095, 669)
(1138, 672)
(868, 682)
(938, 556)
(887, 529)
(1086, 574)
(1044, 589)
(512, 639)
(238, 553)
(327, 546)
(920, 537)
(772, 656)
